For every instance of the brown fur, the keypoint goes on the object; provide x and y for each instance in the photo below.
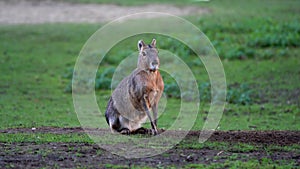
(137, 94)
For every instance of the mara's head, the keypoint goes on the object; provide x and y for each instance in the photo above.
(148, 56)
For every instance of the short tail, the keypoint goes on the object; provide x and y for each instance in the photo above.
(109, 104)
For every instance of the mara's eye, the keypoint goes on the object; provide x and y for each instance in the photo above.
(144, 53)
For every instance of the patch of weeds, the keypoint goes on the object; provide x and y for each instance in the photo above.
(242, 40)
(236, 93)
(68, 75)
(239, 94)
(276, 148)
(242, 148)
(194, 144)
(165, 155)
(103, 80)
(77, 154)
(276, 35)
(172, 90)
(43, 152)
(71, 148)
(10, 166)
(275, 164)
(233, 157)
(204, 90)
(275, 40)
(177, 47)
(239, 52)
(99, 152)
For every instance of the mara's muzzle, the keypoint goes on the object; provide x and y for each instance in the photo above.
(154, 66)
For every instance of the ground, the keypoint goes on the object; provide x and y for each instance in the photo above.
(71, 155)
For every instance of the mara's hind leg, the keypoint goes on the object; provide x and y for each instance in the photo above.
(116, 126)
(125, 131)
(124, 126)
(141, 130)
(113, 118)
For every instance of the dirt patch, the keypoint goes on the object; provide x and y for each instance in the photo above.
(72, 155)
(257, 137)
(35, 12)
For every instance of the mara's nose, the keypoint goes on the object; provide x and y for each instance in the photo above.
(155, 63)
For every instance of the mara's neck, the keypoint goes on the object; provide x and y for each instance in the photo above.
(149, 72)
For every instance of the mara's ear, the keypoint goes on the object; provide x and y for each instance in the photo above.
(141, 45)
(153, 43)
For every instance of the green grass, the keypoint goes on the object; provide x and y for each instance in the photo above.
(37, 60)
(31, 73)
(40, 138)
(222, 146)
(253, 163)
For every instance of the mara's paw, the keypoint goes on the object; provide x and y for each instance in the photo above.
(125, 131)
(141, 130)
(152, 132)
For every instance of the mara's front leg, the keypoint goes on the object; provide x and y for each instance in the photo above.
(157, 97)
(155, 111)
(146, 109)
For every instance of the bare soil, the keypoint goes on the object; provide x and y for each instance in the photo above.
(51, 11)
(71, 155)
